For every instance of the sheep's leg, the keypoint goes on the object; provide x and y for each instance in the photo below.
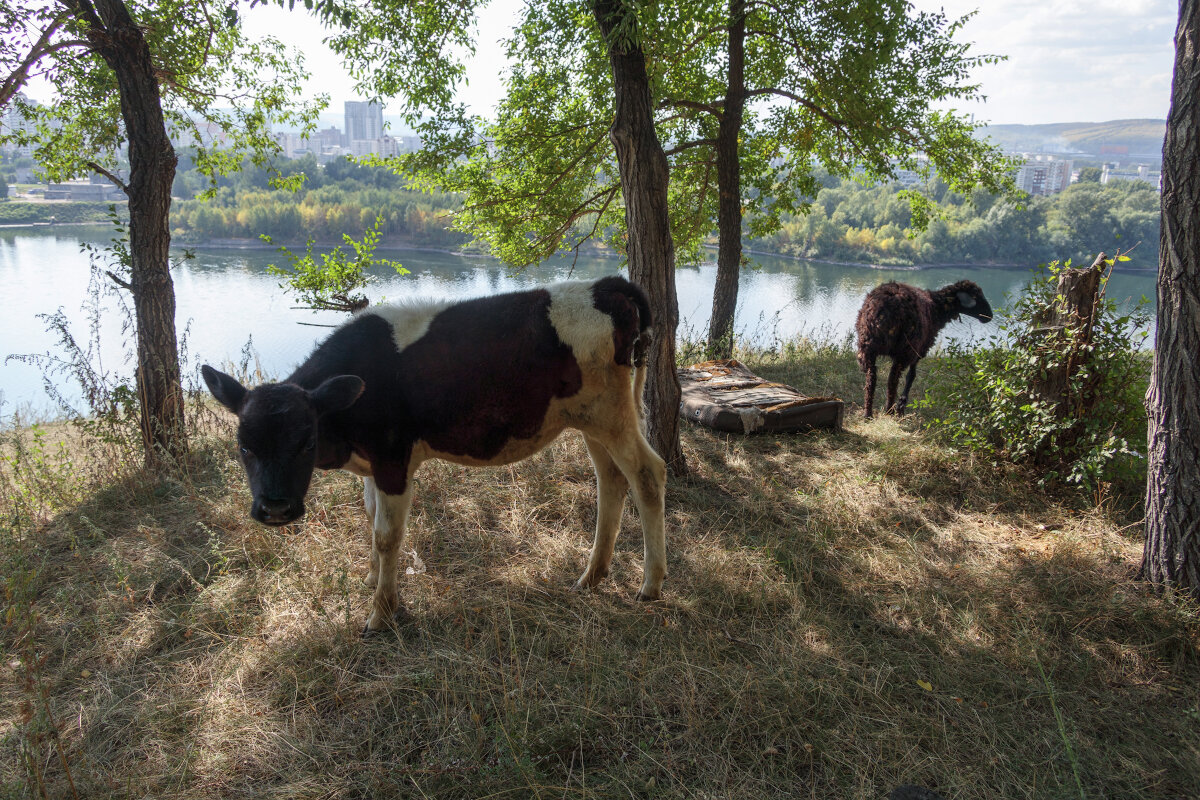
(869, 388)
(893, 385)
(908, 382)
(611, 486)
(389, 527)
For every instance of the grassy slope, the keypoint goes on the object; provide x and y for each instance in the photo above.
(843, 613)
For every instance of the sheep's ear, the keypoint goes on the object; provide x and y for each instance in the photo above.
(965, 300)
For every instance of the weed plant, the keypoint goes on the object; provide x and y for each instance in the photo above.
(980, 395)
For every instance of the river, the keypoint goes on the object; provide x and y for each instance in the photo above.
(229, 305)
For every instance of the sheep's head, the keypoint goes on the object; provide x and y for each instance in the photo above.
(971, 300)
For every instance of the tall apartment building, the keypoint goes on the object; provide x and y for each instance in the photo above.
(1113, 171)
(294, 145)
(11, 121)
(1043, 175)
(364, 121)
(330, 137)
(910, 178)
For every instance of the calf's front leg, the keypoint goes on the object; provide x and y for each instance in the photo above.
(388, 528)
(369, 501)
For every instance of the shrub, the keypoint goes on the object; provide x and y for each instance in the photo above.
(332, 281)
(21, 213)
(980, 396)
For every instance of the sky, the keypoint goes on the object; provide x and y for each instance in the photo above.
(1067, 60)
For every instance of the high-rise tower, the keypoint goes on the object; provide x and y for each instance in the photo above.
(364, 121)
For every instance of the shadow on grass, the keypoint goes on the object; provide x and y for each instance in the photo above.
(844, 613)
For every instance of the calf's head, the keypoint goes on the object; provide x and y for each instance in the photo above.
(277, 436)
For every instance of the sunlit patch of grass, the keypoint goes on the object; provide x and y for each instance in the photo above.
(844, 612)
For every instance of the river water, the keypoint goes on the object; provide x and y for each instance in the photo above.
(228, 305)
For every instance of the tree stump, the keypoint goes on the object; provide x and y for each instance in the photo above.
(1064, 329)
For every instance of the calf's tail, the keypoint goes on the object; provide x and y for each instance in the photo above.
(645, 337)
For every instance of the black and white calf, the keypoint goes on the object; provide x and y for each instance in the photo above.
(481, 382)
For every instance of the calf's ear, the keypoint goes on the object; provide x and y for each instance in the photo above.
(337, 393)
(227, 390)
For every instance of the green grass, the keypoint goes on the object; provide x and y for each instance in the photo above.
(843, 613)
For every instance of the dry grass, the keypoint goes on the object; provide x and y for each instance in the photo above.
(843, 613)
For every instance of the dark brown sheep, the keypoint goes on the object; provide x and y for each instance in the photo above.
(901, 322)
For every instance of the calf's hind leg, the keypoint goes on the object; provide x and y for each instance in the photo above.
(647, 474)
(611, 486)
(893, 385)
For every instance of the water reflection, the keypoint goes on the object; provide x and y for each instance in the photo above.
(226, 299)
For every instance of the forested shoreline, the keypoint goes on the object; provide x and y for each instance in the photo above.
(855, 223)
(341, 198)
(847, 222)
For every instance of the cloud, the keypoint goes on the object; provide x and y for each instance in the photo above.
(1068, 60)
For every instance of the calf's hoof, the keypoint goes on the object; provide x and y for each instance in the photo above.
(589, 580)
(646, 595)
(371, 580)
(377, 625)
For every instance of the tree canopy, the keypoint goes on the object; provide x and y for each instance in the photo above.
(853, 90)
(129, 75)
(848, 89)
(219, 91)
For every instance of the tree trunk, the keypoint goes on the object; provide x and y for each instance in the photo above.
(1172, 550)
(729, 191)
(644, 176)
(152, 163)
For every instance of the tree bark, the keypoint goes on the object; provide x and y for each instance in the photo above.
(152, 160)
(729, 190)
(1172, 550)
(651, 250)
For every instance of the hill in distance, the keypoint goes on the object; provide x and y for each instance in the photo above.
(1118, 139)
